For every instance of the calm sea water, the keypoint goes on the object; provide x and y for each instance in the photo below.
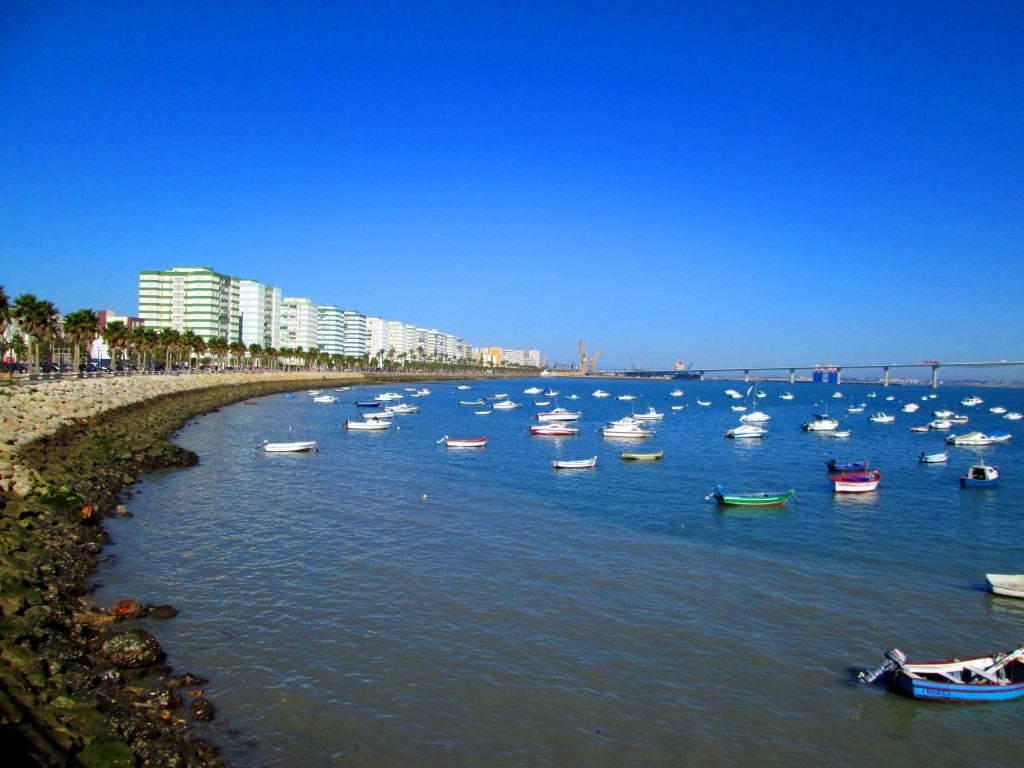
(391, 602)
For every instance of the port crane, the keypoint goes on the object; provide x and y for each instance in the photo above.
(583, 359)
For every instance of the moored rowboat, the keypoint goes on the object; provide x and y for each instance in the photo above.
(479, 442)
(574, 464)
(857, 482)
(295, 447)
(652, 456)
(1008, 585)
(998, 677)
(750, 499)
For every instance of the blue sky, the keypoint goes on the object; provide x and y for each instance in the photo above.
(731, 183)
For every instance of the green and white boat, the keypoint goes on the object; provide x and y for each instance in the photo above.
(750, 499)
(653, 456)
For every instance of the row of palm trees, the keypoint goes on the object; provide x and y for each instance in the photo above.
(43, 329)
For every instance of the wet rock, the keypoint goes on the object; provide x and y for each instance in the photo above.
(189, 679)
(133, 649)
(127, 609)
(202, 709)
(161, 611)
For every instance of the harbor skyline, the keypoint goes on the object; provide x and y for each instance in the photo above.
(717, 186)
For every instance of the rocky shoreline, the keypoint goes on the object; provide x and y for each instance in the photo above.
(78, 685)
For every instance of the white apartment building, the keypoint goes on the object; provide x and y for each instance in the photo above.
(355, 334)
(330, 329)
(299, 321)
(260, 308)
(191, 298)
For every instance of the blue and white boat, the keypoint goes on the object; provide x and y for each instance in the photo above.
(980, 476)
(999, 677)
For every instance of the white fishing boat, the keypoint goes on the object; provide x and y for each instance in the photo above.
(555, 429)
(1008, 585)
(626, 397)
(488, 412)
(401, 408)
(737, 408)
(942, 414)
(978, 438)
(1013, 416)
(368, 425)
(378, 415)
(882, 418)
(295, 447)
(997, 409)
(933, 458)
(449, 442)
(599, 393)
(677, 407)
(757, 417)
(890, 397)
(574, 464)
(559, 414)
(840, 433)
(626, 430)
(746, 431)
(785, 396)
(676, 393)
(315, 391)
(325, 399)
(731, 393)
(466, 386)
(649, 415)
(837, 394)
(532, 391)
(541, 403)
(820, 423)
(972, 400)
(386, 396)
(505, 405)
(910, 407)
(940, 424)
(703, 402)
(856, 482)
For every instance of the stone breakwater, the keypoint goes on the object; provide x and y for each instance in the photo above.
(33, 410)
(78, 685)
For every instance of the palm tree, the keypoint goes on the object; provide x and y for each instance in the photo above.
(170, 340)
(237, 349)
(190, 343)
(81, 328)
(24, 311)
(5, 323)
(115, 336)
(255, 350)
(218, 347)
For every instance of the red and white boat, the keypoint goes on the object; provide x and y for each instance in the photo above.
(479, 442)
(857, 482)
(559, 414)
(557, 428)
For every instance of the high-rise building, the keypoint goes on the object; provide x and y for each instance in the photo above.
(260, 308)
(191, 299)
(299, 320)
(355, 334)
(330, 329)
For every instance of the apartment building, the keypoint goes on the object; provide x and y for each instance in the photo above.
(191, 298)
(299, 322)
(260, 309)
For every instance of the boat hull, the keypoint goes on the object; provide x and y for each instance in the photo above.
(577, 464)
(655, 456)
(861, 482)
(1007, 585)
(957, 692)
(751, 499)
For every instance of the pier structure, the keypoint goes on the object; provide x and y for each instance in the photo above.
(835, 371)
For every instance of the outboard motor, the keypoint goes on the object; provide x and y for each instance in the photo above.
(894, 660)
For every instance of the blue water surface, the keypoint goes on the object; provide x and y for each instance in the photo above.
(390, 602)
